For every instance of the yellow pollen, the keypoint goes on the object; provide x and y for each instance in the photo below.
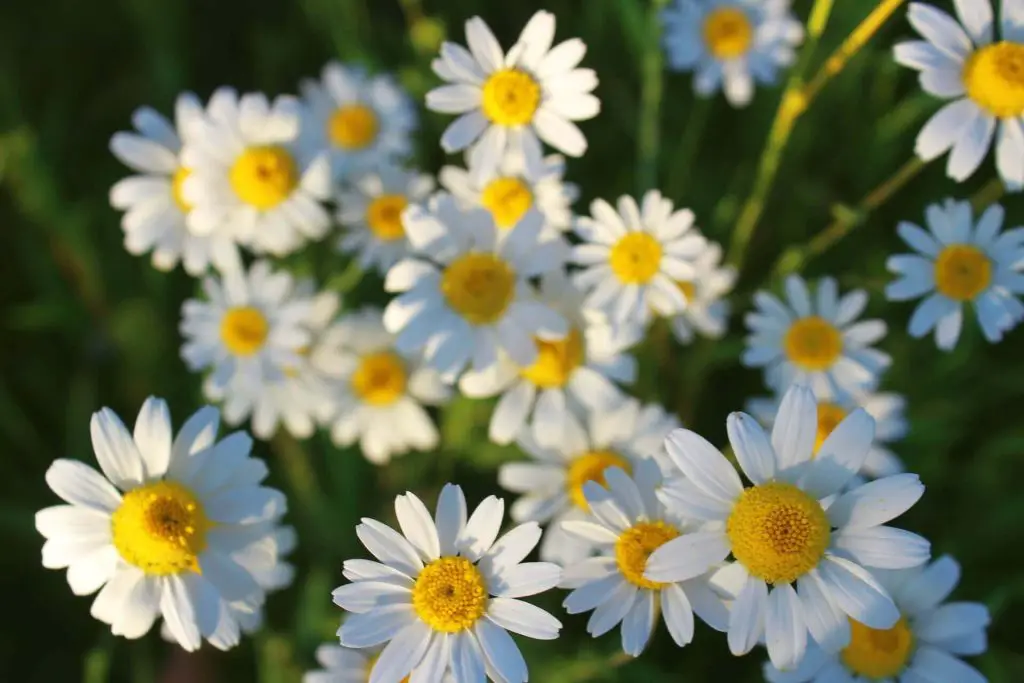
(352, 126)
(510, 97)
(508, 200)
(636, 544)
(450, 594)
(244, 330)
(264, 176)
(878, 654)
(962, 272)
(160, 528)
(479, 287)
(556, 361)
(176, 181)
(380, 378)
(829, 417)
(689, 290)
(590, 467)
(994, 78)
(727, 32)
(813, 343)
(778, 532)
(636, 258)
(384, 216)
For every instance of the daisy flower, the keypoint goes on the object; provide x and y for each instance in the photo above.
(379, 393)
(552, 481)
(445, 593)
(573, 375)
(731, 43)
(925, 644)
(801, 567)
(371, 209)
(706, 312)
(506, 100)
(960, 262)
(247, 180)
(627, 523)
(632, 259)
(959, 61)
(465, 293)
(815, 342)
(364, 121)
(345, 665)
(163, 531)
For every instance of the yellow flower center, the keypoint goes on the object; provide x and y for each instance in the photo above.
(829, 417)
(160, 528)
(244, 330)
(727, 32)
(384, 216)
(636, 544)
(510, 97)
(380, 378)
(352, 126)
(479, 287)
(688, 289)
(994, 78)
(636, 258)
(508, 200)
(264, 176)
(556, 361)
(813, 343)
(176, 181)
(778, 532)
(962, 272)
(450, 594)
(878, 653)
(590, 467)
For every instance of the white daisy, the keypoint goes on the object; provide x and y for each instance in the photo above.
(365, 122)
(960, 262)
(731, 43)
(164, 531)
(379, 393)
(247, 180)
(801, 567)
(985, 80)
(706, 312)
(632, 259)
(574, 375)
(345, 665)
(465, 293)
(507, 100)
(815, 342)
(446, 593)
(925, 644)
(370, 211)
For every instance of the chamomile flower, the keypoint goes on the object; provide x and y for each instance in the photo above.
(370, 211)
(815, 342)
(959, 61)
(801, 567)
(247, 180)
(445, 593)
(925, 644)
(960, 262)
(706, 313)
(465, 293)
(633, 258)
(507, 100)
(346, 665)
(731, 43)
(163, 531)
(627, 523)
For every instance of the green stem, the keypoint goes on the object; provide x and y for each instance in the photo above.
(650, 104)
(302, 479)
(990, 193)
(684, 159)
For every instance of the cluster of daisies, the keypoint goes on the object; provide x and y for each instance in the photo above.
(501, 291)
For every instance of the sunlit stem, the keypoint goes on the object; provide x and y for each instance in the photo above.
(990, 193)
(647, 138)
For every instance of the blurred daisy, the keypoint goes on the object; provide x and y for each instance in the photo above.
(247, 180)
(371, 210)
(984, 78)
(160, 532)
(960, 262)
(446, 593)
(706, 313)
(365, 122)
(632, 259)
(802, 567)
(345, 665)
(815, 342)
(731, 43)
(155, 210)
(925, 644)
(465, 294)
(507, 100)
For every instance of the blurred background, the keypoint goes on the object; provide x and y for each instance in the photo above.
(84, 324)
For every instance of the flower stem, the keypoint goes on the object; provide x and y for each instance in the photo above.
(684, 159)
(302, 479)
(989, 194)
(648, 130)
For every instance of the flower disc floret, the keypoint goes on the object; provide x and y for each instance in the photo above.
(636, 258)
(510, 97)
(636, 544)
(994, 78)
(244, 330)
(556, 361)
(727, 32)
(590, 467)
(962, 272)
(813, 343)
(264, 176)
(160, 528)
(353, 127)
(479, 287)
(878, 654)
(450, 594)
(380, 378)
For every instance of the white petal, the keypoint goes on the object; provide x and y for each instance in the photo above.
(857, 593)
(826, 623)
(935, 666)
(526, 579)
(501, 652)
(883, 547)
(944, 128)
(675, 606)
(638, 623)
(977, 19)
(388, 546)
(79, 484)
(970, 149)
(796, 427)
(930, 587)
(687, 556)
(179, 613)
(376, 626)
(511, 412)
(841, 455)
(467, 658)
(434, 663)
(876, 502)
(704, 465)
(153, 436)
(404, 652)
(482, 528)
(115, 450)
(364, 596)
(953, 620)
(746, 618)
(510, 549)
(753, 450)
(417, 525)
(450, 518)
(785, 629)
(523, 618)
